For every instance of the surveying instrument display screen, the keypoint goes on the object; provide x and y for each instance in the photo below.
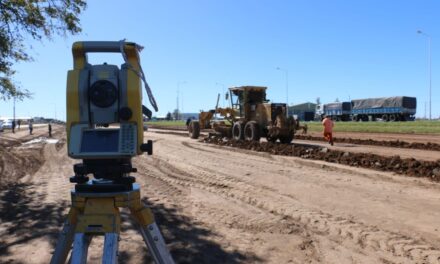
(100, 141)
(105, 130)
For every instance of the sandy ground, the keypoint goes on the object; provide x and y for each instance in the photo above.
(221, 205)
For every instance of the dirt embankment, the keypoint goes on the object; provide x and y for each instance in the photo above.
(410, 167)
(176, 128)
(383, 143)
(20, 157)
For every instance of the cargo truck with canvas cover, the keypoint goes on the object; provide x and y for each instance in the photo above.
(338, 111)
(397, 108)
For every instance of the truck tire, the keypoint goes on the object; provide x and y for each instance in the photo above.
(194, 129)
(385, 118)
(238, 131)
(252, 131)
(392, 118)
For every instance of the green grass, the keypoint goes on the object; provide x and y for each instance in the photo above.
(168, 123)
(413, 127)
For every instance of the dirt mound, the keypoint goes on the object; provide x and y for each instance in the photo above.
(177, 128)
(410, 167)
(16, 163)
(60, 144)
(24, 156)
(172, 132)
(382, 143)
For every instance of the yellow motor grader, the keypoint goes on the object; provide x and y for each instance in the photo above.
(251, 117)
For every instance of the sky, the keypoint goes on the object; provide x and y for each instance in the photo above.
(329, 49)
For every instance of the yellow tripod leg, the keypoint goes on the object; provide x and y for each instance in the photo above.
(151, 234)
(65, 238)
(98, 214)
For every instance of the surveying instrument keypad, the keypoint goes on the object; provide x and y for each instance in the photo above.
(105, 129)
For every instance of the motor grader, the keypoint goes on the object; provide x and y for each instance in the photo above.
(250, 117)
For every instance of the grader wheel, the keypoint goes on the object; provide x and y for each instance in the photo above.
(271, 139)
(194, 129)
(238, 131)
(251, 131)
(286, 139)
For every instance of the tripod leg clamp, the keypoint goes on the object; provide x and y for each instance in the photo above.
(143, 215)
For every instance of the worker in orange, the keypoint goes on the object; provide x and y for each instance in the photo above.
(328, 129)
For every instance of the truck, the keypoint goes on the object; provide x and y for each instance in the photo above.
(339, 111)
(397, 108)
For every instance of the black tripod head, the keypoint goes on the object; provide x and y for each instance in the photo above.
(109, 175)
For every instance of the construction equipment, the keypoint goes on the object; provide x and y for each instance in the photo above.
(251, 117)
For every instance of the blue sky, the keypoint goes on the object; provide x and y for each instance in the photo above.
(331, 49)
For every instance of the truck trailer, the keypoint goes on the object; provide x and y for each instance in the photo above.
(397, 108)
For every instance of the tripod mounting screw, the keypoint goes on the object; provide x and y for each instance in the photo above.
(79, 179)
(148, 147)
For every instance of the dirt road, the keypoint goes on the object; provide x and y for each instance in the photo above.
(222, 205)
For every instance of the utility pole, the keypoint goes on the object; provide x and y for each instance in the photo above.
(425, 110)
(177, 99)
(181, 103)
(177, 103)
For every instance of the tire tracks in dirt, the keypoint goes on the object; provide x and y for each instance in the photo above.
(386, 245)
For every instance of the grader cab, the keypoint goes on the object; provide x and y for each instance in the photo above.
(250, 117)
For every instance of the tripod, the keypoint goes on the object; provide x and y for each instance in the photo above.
(95, 211)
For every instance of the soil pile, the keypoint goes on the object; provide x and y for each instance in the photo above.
(17, 162)
(410, 167)
(382, 143)
(23, 155)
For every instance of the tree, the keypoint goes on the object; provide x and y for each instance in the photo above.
(176, 114)
(20, 19)
(169, 116)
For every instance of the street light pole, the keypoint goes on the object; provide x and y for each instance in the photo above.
(430, 67)
(177, 99)
(287, 87)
